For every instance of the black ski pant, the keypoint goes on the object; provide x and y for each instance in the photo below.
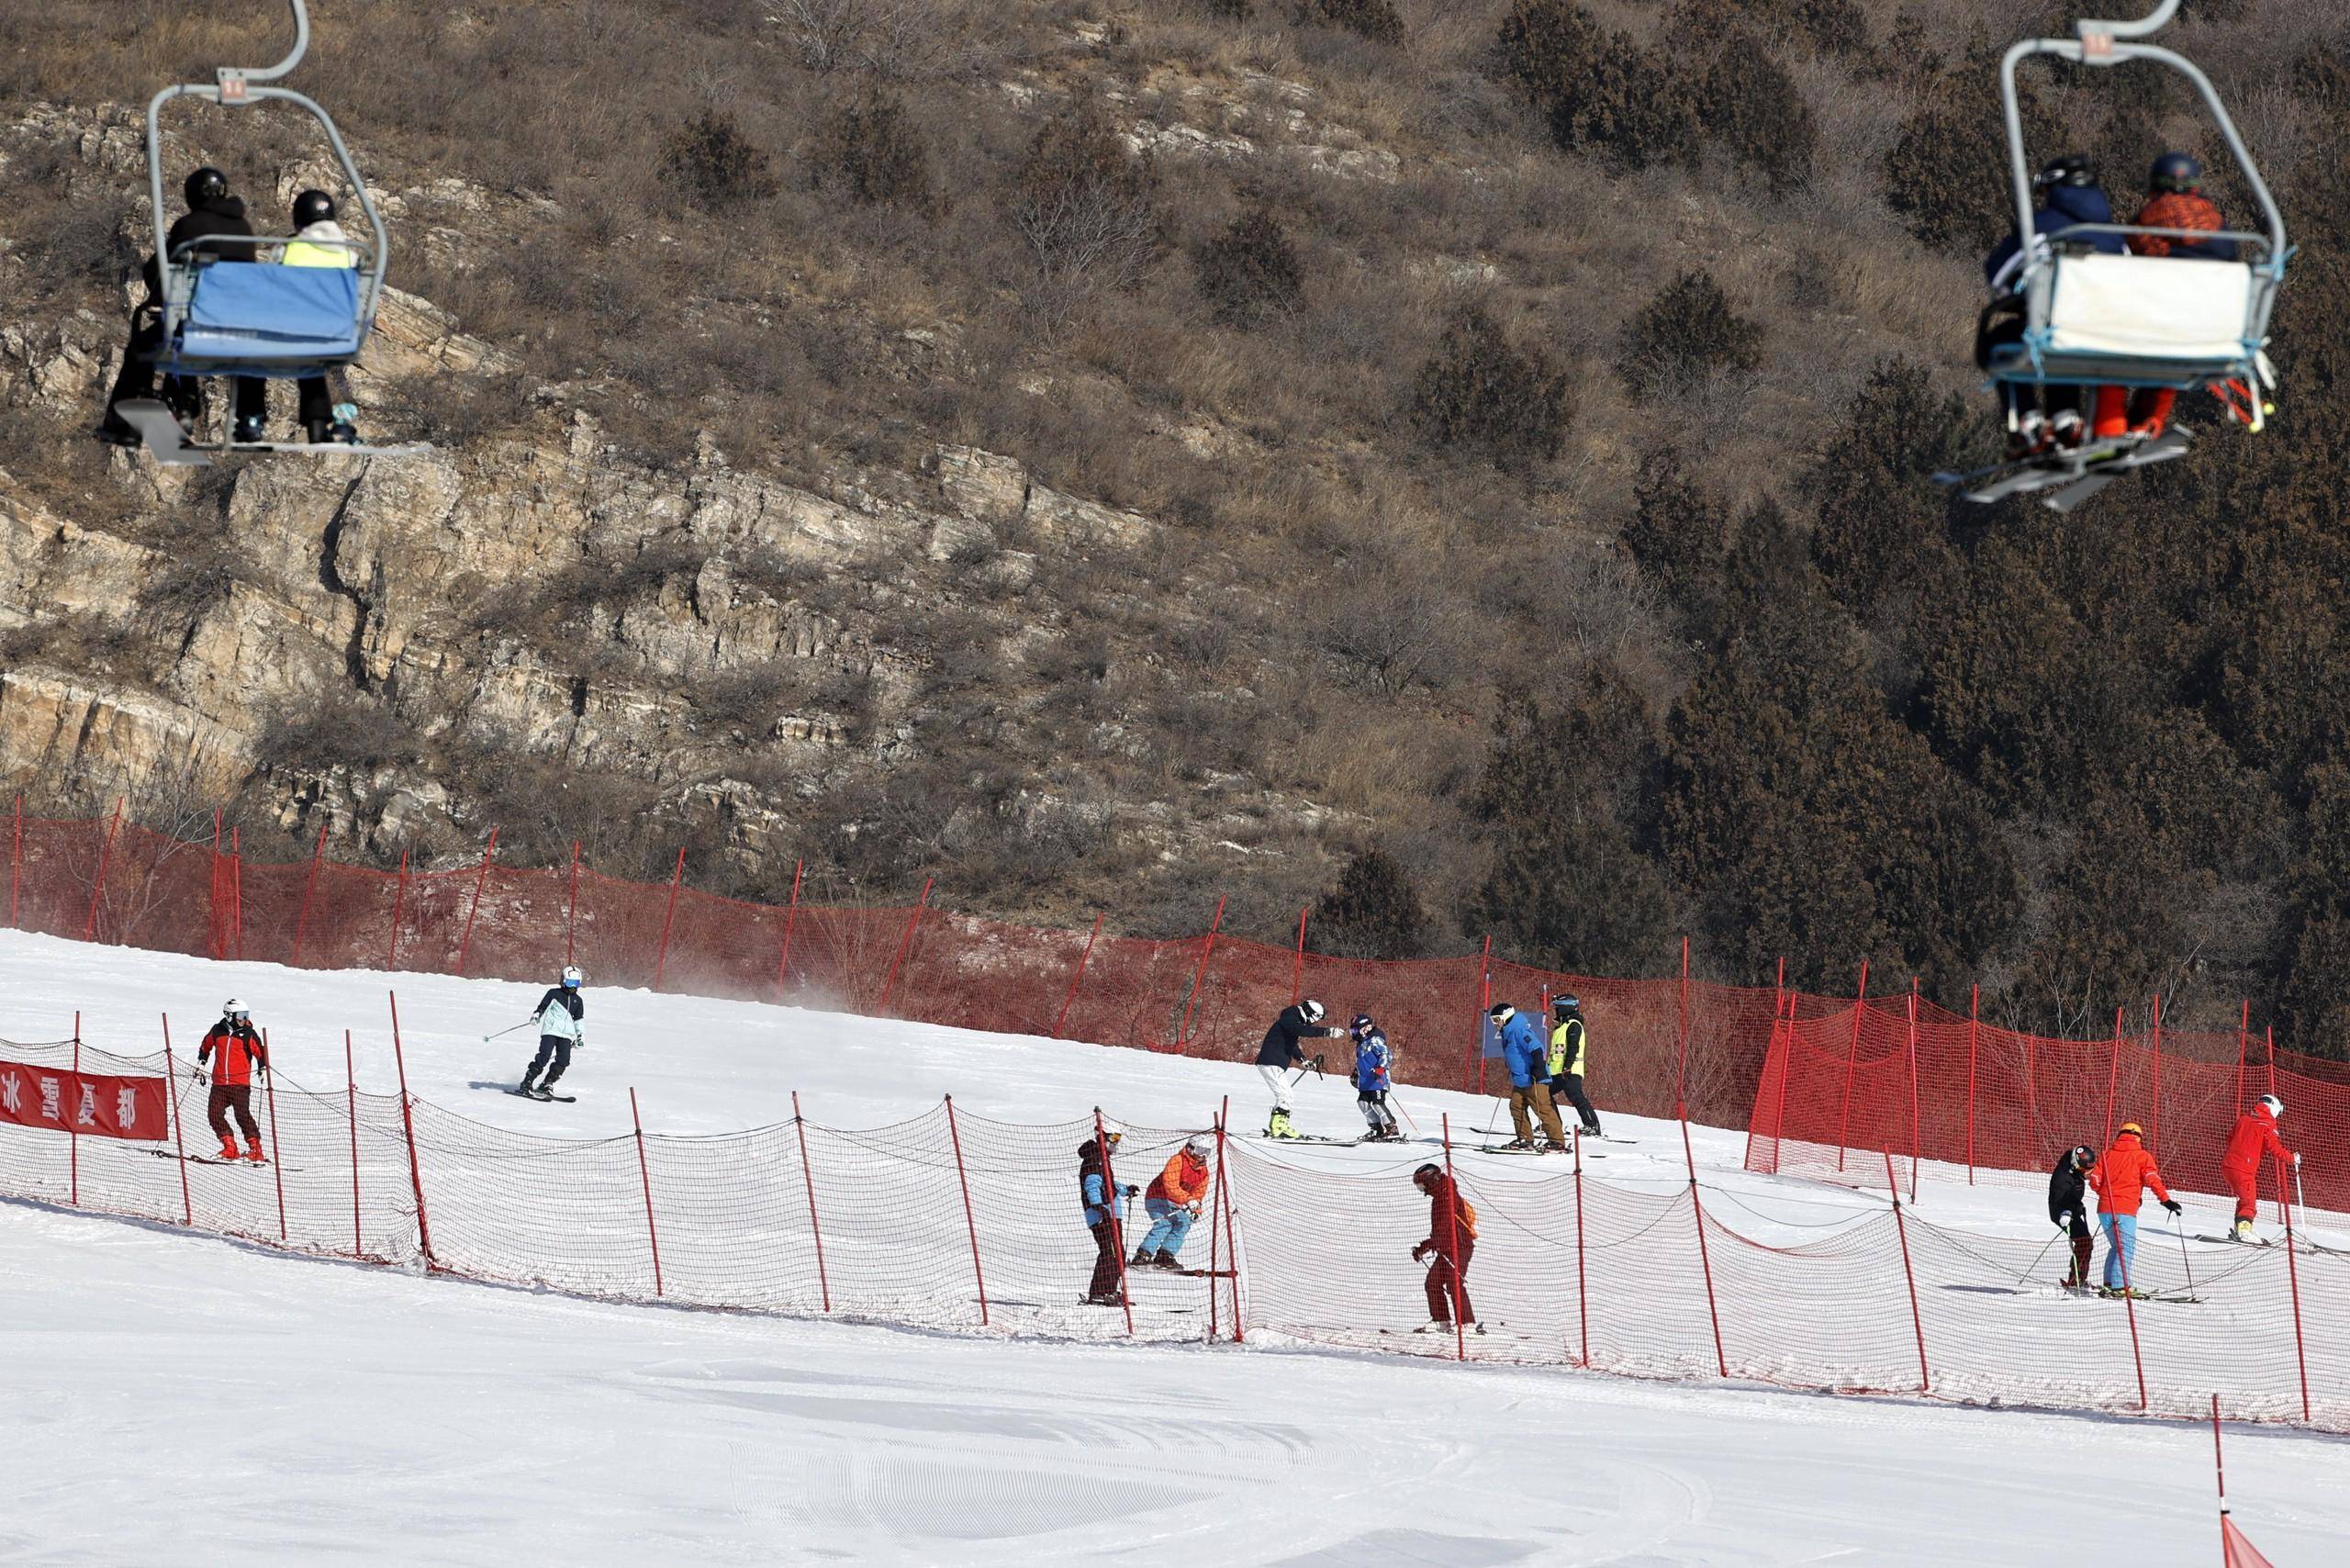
(1569, 1084)
(555, 1049)
(184, 395)
(2052, 400)
(2084, 1252)
(229, 1099)
(1106, 1261)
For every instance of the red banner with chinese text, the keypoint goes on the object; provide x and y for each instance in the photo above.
(93, 1103)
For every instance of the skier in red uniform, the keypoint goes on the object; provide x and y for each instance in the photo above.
(1452, 1238)
(241, 1053)
(2255, 1136)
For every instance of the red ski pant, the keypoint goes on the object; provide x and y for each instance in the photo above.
(2246, 1184)
(229, 1097)
(1448, 1284)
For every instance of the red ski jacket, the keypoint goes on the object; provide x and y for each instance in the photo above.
(1446, 1224)
(2256, 1134)
(240, 1046)
(2122, 1177)
(1185, 1179)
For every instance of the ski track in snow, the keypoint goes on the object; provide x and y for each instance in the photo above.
(174, 1398)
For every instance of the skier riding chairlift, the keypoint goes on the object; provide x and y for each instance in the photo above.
(253, 318)
(2094, 315)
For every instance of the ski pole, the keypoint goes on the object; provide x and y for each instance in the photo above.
(2043, 1252)
(2303, 1198)
(503, 1033)
(2178, 1228)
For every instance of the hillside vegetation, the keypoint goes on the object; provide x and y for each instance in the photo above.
(1461, 463)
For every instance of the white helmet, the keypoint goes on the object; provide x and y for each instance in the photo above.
(1112, 1128)
(571, 975)
(232, 1008)
(1310, 1010)
(1197, 1146)
(2276, 1106)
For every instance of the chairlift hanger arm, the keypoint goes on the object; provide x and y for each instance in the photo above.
(232, 78)
(2143, 26)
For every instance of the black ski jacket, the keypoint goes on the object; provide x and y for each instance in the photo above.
(1280, 1049)
(2067, 1190)
(226, 216)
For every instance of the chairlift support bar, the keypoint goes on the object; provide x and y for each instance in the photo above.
(233, 88)
(2105, 43)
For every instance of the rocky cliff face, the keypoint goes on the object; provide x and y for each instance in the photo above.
(377, 640)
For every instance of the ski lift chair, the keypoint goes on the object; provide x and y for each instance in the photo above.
(2133, 320)
(228, 316)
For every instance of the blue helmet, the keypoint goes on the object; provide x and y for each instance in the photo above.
(2175, 171)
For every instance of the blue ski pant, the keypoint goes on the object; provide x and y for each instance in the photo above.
(2121, 1247)
(1170, 1225)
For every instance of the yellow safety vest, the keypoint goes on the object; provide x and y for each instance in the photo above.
(303, 253)
(1566, 1048)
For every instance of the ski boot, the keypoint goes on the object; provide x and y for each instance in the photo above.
(250, 433)
(229, 1149)
(1143, 1259)
(2244, 1230)
(1279, 1126)
(254, 1153)
(1166, 1259)
(1519, 1143)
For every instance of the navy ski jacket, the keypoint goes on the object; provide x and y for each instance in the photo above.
(1372, 1059)
(1281, 1049)
(2067, 205)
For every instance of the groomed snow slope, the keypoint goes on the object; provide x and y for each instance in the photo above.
(174, 1398)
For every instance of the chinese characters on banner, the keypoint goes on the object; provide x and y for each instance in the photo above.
(91, 1103)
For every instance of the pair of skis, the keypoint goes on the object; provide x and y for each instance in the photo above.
(2064, 479)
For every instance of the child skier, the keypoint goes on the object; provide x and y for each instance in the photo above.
(2068, 1207)
(1098, 1193)
(2119, 1181)
(557, 1016)
(1373, 1060)
(1452, 1241)
(1172, 1201)
(241, 1053)
(2255, 1136)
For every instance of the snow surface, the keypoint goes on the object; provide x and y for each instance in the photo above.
(196, 1400)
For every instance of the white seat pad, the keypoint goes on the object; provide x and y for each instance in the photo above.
(2158, 307)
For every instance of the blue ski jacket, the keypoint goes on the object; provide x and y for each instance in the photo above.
(1095, 1192)
(1524, 1051)
(1372, 1061)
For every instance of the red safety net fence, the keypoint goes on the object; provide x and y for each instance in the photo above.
(1814, 1078)
(948, 1221)
(1962, 1100)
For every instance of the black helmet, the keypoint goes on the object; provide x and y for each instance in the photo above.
(2071, 169)
(206, 184)
(312, 207)
(1424, 1171)
(1500, 1012)
(2175, 172)
(1565, 1001)
(1362, 1025)
(2083, 1156)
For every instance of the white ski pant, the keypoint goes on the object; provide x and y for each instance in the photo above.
(1277, 1080)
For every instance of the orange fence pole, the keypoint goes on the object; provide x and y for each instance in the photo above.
(99, 888)
(1083, 959)
(1860, 1004)
(644, 1174)
(905, 945)
(1199, 977)
(676, 880)
(808, 1178)
(481, 880)
(971, 1220)
(302, 921)
(790, 917)
(237, 891)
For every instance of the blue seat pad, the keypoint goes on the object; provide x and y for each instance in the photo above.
(261, 311)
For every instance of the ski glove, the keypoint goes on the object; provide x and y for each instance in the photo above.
(2172, 1206)
(2065, 1222)
(1419, 1253)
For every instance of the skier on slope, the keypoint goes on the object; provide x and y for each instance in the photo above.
(1098, 1191)
(2119, 1179)
(1172, 1201)
(1280, 1056)
(240, 1053)
(1372, 1061)
(557, 1016)
(1529, 1081)
(2255, 1136)
(1569, 1040)
(2068, 1207)
(1451, 1241)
